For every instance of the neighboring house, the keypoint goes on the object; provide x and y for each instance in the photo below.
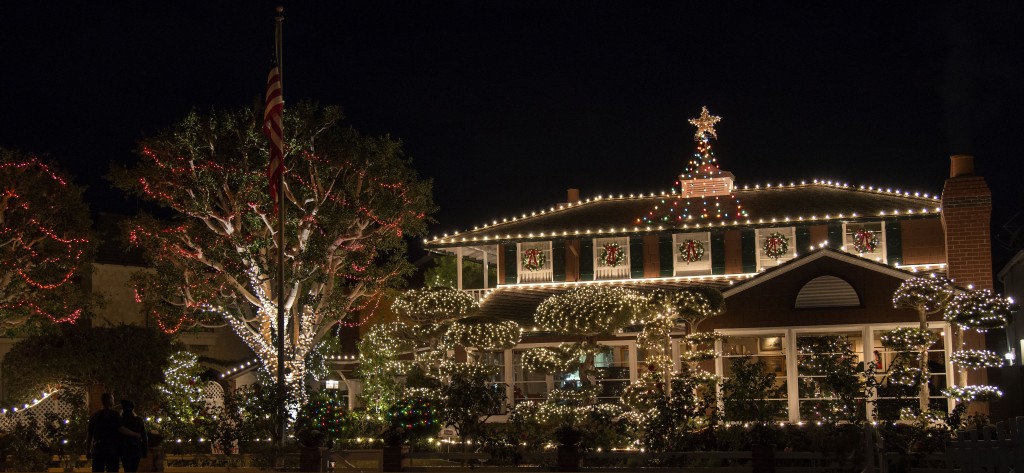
(792, 259)
(1011, 341)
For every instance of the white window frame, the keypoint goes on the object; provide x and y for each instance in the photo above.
(682, 268)
(544, 274)
(602, 271)
(763, 261)
(878, 227)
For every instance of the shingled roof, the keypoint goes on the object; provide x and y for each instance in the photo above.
(816, 202)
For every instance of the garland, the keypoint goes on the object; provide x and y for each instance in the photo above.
(865, 241)
(776, 245)
(612, 254)
(691, 251)
(534, 259)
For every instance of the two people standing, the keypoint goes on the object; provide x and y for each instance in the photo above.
(116, 438)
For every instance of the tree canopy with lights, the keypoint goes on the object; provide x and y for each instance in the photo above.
(348, 199)
(44, 244)
(926, 296)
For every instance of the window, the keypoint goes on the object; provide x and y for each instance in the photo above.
(526, 385)
(829, 367)
(331, 384)
(895, 369)
(865, 239)
(691, 253)
(739, 352)
(774, 246)
(611, 258)
(612, 372)
(534, 261)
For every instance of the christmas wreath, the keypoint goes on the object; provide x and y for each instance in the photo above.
(691, 251)
(534, 259)
(865, 241)
(612, 254)
(776, 245)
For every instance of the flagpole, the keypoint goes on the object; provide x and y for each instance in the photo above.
(281, 390)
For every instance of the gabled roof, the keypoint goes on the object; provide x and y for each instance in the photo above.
(519, 302)
(811, 257)
(817, 202)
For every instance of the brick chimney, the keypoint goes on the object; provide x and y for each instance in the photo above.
(966, 222)
(573, 195)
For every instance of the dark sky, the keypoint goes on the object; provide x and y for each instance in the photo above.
(506, 104)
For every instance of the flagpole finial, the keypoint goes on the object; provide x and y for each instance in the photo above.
(280, 9)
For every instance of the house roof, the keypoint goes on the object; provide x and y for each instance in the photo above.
(817, 202)
(519, 302)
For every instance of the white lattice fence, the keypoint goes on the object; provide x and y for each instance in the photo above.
(39, 409)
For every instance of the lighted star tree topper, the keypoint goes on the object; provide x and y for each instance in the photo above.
(703, 191)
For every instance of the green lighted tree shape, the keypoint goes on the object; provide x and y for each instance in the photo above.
(927, 296)
(587, 312)
(349, 202)
(44, 244)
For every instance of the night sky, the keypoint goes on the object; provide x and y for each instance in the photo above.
(506, 104)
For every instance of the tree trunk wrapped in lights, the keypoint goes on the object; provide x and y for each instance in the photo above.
(348, 199)
(44, 244)
(927, 296)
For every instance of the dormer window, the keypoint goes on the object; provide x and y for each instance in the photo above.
(534, 261)
(692, 253)
(611, 258)
(866, 240)
(775, 246)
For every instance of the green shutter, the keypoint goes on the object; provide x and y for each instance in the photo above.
(636, 257)
(749, 248)
(893, 242)
(558, 260)
(666, 255)
(511, 264)
(835, 235)
(718, 252)
(803, 239)
(587, 259)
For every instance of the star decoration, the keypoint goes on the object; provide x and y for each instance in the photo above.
(705, 123)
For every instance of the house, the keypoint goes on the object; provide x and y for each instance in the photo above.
(793, 259)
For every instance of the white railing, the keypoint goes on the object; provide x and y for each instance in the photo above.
(542, 275)
(477, 294)
(618, 272)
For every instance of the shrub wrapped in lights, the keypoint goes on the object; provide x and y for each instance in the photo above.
(908, 339)
(976, 359)
(978, 309)
(966, 394)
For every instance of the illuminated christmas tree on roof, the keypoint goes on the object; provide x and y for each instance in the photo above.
(703, 191)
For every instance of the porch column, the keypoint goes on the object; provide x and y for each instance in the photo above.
(486, 269)
(458, 268)
(633, 356)
(868, 338)
(510, 391)
(792, 377)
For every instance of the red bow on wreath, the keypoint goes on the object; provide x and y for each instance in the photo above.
(611, 254)
(531, 257)
(865, 241)
(691, 250)
(774, 245)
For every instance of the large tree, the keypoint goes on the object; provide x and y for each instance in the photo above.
(44, 244)
(348, 200)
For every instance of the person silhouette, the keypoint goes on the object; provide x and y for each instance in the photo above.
(134, 447)
(104, 436)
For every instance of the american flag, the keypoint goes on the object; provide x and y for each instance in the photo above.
(273, 127)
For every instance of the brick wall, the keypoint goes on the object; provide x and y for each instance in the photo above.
(966, 221)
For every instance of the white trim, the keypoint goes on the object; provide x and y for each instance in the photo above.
(792, 252)
(822, 253)
(544, 274)
(604, 273)
(681, 268)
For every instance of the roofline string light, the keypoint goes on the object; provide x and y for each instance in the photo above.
(925, 198)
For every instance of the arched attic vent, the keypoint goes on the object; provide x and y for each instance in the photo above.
(826, 291)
